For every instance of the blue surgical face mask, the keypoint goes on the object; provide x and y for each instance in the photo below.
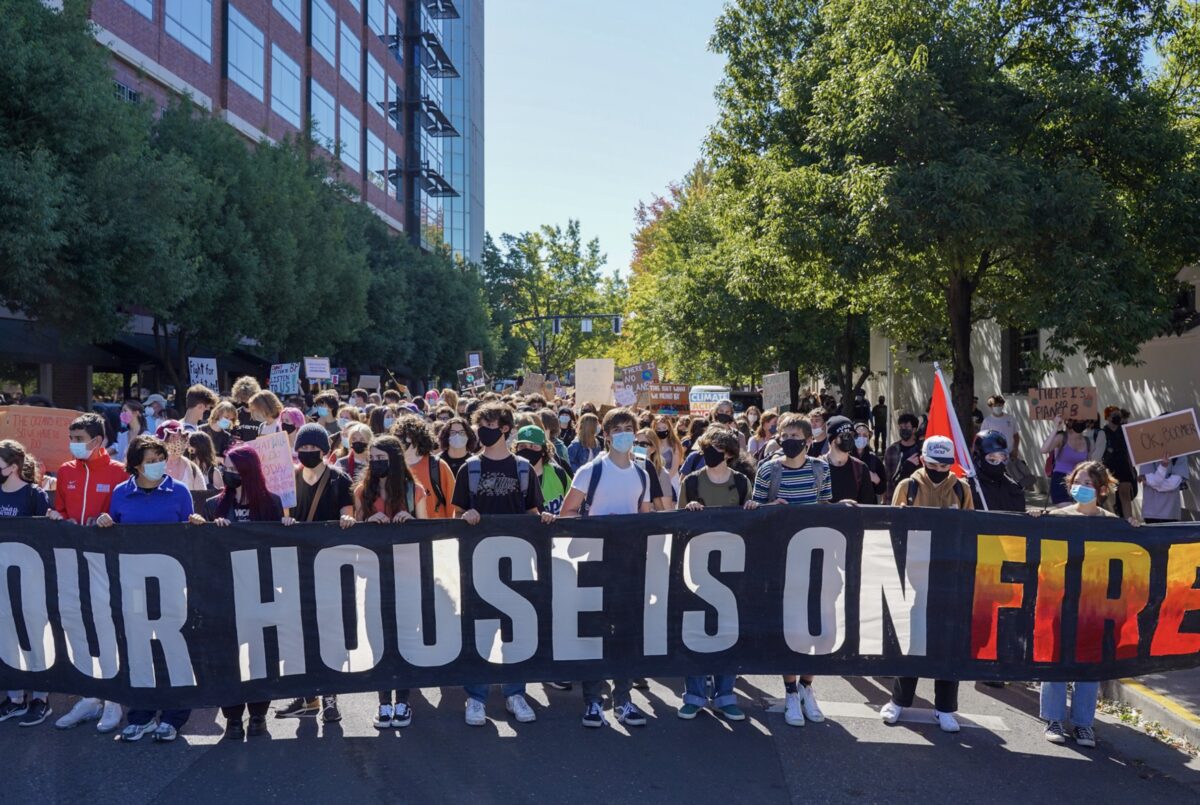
(860, 442)
(622, 442)
(1083, 494)
(640, 452)
(343, 423)
(223, 423)
(79, 449)
(322, 411)
(154, 470)
(388, 422)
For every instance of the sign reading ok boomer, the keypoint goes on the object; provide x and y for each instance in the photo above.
(166, 616)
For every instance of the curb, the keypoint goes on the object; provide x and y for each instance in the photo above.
(1172, 715)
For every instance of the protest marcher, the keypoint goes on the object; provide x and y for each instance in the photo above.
(133, 424)
(202, 453)
(820, 435)
(381, 419)
(999, 420)
(555, 481)
(325, 406)
(291, 419)
(722, 418)
(879, 423)
(1066, 448)
(496, 482)
(991, 457)
(903, 457)
(244, 389)
(430, 472)
(670, 447)
(458, 443)
(566, 424)
(586, 445)
(1110, 449)
(154, 405)
(197, 404)
(864, 453)
(696, 427)
(150, 495)
(265, 409)
(179, 466)
(723, 415)
(714, 486)
(850, 478)
(753, 417)
(1164, 480)
(245, 499)
(323, 495)
(553, 430)
(612, 483)
(20, 496)
(763, 435)
(932, 486)
(220, 427)
(861, 410)
(1088, 484)
(794, 478)
(82, 493)
(648, 449)
(356, 440)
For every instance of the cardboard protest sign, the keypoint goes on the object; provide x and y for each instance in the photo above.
(533, 383)
(640, 375)
(317, 369)
(469, 378)
(275, 452)
(203, 371)
(368, 382)
(624, 395)
(1069, 402)
(777, 391)
(594, 381)
(1167, 436)
(703, 399)
(666, 397)
(285, 378)
(42, 432)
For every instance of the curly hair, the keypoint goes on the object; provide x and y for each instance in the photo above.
(415, 431)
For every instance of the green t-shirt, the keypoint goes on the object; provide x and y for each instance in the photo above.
(711, 494)
(553, 490)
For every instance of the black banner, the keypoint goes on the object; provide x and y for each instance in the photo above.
(199, 616)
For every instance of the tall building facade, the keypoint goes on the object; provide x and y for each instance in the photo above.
(368, 78)
(464, 155)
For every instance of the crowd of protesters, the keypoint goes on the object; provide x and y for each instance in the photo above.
(390, 457)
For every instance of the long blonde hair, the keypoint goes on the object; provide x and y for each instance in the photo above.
(673, 442)
(586, 435)
(648, 434)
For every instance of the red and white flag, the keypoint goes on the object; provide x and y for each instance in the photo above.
(943, 422)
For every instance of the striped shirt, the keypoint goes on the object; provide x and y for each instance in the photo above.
(797, 486)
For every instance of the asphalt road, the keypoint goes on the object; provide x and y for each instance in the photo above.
(851, 757)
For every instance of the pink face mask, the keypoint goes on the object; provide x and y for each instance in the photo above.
(126, 417)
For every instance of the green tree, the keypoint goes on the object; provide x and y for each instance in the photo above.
(937, 163)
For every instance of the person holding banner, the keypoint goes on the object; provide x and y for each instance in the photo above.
(991, 454)
(458, 443)
(150, 495)
(932, 486)
(430, 472)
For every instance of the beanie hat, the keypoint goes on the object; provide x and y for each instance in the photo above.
(311, 435)
(532, 434)
(838, 425)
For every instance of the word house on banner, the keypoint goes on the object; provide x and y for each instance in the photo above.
(263, 611)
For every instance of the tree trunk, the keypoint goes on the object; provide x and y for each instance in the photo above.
(794, 388)
(959, 298)
(846, 380)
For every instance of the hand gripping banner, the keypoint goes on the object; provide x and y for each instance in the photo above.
(187, 616)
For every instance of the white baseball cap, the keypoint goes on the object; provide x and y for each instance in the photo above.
(938, 449)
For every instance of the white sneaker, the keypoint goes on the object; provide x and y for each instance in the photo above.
(808, 702)
(134, 732)
(476, 713)
(84, 710)
(890, 713)
(520, 709)
(946, 721)
(793, 713)
(111, 719)
(383, 721)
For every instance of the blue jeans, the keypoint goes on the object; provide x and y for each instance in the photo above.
(480, 692)
(1058, 488)
(695, 690)
(1083, 702)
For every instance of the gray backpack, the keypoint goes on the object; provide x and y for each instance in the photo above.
(819, 467)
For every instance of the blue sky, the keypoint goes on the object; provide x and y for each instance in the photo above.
(591, 107)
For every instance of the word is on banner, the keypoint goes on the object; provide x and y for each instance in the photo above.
(1162, 437)
(203, 371)
(285, 378)
(1068, 402)
(639, 376)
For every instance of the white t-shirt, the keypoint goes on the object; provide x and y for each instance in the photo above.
(1004, 424)
(620, 490)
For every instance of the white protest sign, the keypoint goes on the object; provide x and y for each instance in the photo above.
(275, 452)
(624, 395)
(285, 378)
(317, 369)
(368, 382)
(776, 391)
(203, 372)
(594, 381)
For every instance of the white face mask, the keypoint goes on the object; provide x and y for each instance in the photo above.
(458, 441)
(998, 410)
(818, 433)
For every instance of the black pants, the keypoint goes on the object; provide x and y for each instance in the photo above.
(1153, 520)
(945, 693)
(385, 697)
(880, 440)
(235, 711)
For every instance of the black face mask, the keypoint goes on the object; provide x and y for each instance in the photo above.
(937, 476)
(989, 470)
(664, 435)
(713, 457)
(1079, 427)
(489, 436)
(1116, 421)
(358, 447)
(231, 480)
(380, 468)
(793, 447)
(530, 455)
(845, 443)
(310, 458)
(724, 419)
(906, 433)
(289, 428)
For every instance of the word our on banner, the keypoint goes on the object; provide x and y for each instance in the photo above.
(275, 452)
(203, 371)
(285, 378)
(260, 611)
(1068, 402)
(777, 390)
(43, 432)
(1167, 436)
(317, 369)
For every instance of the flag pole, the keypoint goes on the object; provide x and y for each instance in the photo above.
(960, 443)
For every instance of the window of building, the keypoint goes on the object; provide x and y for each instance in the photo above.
(376, 161)
(246, 54)
(324, 30)
(1019, 350)
(190, 22)
(376, 85)
(323, 114)
(351, 57)
(143, 7)
(377, 16)
(125, 92)
(289, 10)
(350, 141)
(357, 5)
(285, 86)
(393, 24)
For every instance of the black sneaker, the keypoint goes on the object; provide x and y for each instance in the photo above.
(258, 726)
(593, 716)
(629, 715)
(559, 685)
(36, 714)
(235, 730)
(299, 708)
(641, 684)
(401, 715)
(11, 709)
(329, 710)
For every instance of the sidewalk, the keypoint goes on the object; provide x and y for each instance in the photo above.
(1172, 699)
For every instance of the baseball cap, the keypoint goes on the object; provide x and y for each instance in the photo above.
(531, 434)
(155, 398)
(938, 449)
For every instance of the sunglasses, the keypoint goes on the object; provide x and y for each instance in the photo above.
(643, 444)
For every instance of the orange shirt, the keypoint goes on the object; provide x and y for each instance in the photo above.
(420, 471)
(380, 505)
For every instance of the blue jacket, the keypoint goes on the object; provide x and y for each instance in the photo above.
(171, 502)
(578, 455)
